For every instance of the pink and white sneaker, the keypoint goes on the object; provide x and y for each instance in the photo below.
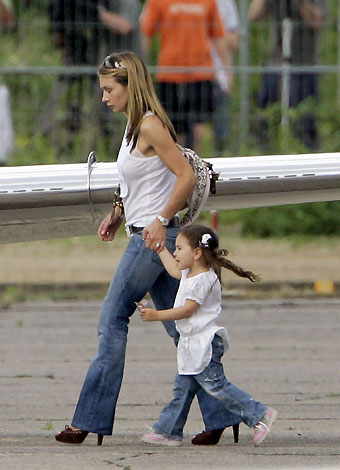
(262, 428)
(160, 440)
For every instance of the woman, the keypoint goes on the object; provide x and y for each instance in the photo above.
(155, 182)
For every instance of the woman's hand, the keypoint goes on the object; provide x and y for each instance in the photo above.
(148, 314)
(155, 236)
(109, 226)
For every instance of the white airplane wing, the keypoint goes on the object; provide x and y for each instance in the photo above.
(53, 201)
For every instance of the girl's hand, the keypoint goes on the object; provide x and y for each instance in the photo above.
(148, 314)
(109, 226)
(155, 236)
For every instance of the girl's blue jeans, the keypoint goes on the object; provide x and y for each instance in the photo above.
(140, 271)
(213, 381)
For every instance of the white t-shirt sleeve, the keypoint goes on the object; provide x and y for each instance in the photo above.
(197, 290)
(229, 14)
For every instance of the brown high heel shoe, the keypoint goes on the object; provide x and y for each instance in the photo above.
(75, 436)
(211, 438)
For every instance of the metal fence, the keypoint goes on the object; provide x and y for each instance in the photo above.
(55, 99)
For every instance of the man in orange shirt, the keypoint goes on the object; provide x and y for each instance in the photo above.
(186, 29)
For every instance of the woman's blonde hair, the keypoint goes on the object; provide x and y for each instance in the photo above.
(130, 71)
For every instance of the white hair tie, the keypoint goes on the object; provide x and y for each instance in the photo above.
(205, 240)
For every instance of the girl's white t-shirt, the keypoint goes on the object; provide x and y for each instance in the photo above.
(194, 349)
(145, 184)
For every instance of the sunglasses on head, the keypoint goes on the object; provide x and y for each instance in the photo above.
(110, 63)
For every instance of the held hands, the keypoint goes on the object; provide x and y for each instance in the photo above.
(109, 226)
(155, 236)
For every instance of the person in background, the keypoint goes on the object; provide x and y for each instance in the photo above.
(74, 30)
(197, 262)
(223, 83)
(7, 24)
(7, 16)
(85, 30)
(120, 25)
(186, 30)
(306, 18)
(118, 31)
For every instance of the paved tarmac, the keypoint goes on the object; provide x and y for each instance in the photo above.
(285, 353)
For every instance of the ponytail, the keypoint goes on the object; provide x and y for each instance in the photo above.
(218, 259)
(206, 239)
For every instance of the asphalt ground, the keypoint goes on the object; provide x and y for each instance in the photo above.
(284, 352)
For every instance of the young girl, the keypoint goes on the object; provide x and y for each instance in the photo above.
(197, 262)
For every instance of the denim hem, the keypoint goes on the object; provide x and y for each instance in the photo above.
(87, 429)
(258, 419)
(165, 434)
(214, 428)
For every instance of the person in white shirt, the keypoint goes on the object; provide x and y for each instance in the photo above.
(224, 82)
(197, 262)
(7, 24)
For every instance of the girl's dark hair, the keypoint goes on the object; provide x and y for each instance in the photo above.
(206, 239)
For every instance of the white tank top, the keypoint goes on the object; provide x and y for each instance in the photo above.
(145, 184)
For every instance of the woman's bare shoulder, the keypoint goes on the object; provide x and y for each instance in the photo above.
(154, 131)
(150, 123)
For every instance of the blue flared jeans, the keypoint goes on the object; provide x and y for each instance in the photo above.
(213, 381)
(140, 271)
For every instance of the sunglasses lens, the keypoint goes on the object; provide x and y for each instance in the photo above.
(107, 62)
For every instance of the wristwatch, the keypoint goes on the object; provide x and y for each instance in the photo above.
(163, 220)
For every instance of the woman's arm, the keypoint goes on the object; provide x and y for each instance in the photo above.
(178, 313)
(109, 225)
(153, 135)
(170, 263)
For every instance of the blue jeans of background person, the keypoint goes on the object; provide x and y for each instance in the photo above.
(140, 271)
(212, 379)
(301, 87)
(221, 118)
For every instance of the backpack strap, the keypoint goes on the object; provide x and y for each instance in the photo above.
(206, 183)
